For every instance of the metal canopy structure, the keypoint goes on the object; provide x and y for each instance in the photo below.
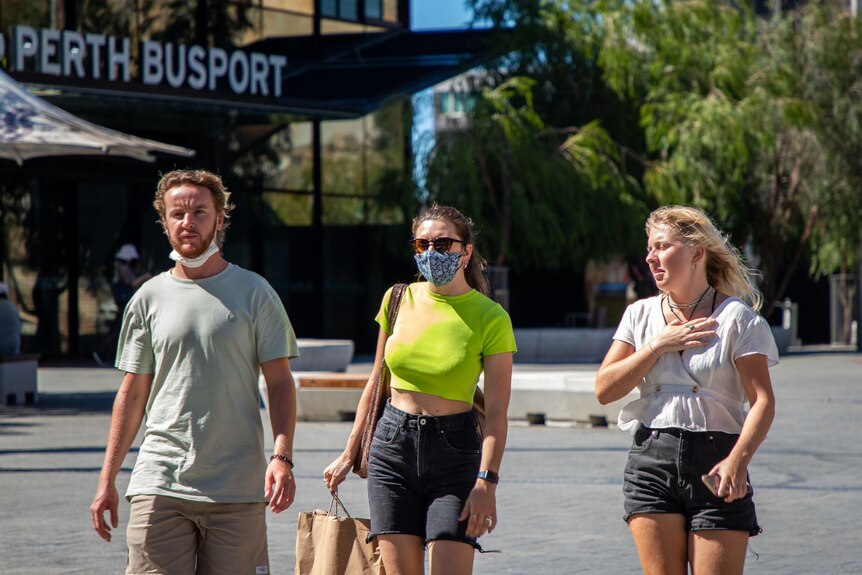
(354, 74)
(30, 127)
(331, 76)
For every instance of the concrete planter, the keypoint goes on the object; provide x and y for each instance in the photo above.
(782, 338)
(323, 355)
(562, 345)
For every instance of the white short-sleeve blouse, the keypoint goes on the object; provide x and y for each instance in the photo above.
(699, 389)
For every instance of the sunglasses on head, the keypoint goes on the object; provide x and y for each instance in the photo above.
(440, 244)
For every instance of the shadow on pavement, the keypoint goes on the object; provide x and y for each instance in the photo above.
(61, 404)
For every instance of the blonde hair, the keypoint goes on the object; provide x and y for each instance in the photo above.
(204, 179)
(464, 226)
(726, 270)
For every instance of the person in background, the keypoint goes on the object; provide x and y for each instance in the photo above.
(10, 324)
(128, 277)
(697, 353)
(193, 342)
(432, 478)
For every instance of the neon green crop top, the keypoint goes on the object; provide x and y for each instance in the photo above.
(440, 341)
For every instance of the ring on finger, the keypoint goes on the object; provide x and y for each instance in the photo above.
(691, 327)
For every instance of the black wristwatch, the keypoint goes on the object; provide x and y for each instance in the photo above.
(489, 476)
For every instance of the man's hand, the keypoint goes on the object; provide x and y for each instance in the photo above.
(106, 499)
(280, 485)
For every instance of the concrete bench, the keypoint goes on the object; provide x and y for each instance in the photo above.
(18, 376)
(323, 355)
(337, 380)
(562, 345)
(328, 396)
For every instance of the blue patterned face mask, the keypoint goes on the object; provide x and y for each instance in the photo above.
(439, 268)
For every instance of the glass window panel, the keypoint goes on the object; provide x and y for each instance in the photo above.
(280, 160)
(344, 211)
(329, 8)
(297, 162)
(470, 102)
(390, 10)
(341, 150)
(364, 157)
(337, 27)
(35, 13)
(112, 17)
(443, 102)
(285, 24)
(284, 209)
(347, 10)
(255, 32)
(384, 155)
(373, 9)
(459, 103)
(300, 6)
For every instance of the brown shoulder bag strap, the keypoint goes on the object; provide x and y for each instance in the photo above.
(395, 303)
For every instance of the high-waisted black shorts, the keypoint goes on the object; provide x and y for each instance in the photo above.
(421, 470)
(663, 476)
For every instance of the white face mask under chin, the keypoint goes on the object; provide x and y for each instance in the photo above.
(195, 262)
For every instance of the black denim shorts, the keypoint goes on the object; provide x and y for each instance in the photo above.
(663, 476)
(421, 470)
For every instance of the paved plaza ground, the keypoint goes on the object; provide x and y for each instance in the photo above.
(560, 500)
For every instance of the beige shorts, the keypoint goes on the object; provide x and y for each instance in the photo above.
(177, 537)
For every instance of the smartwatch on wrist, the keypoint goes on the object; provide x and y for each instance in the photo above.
(489, 476)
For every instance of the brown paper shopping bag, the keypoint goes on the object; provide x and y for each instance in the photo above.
(331, 544)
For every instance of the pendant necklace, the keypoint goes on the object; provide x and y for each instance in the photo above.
(682, 307)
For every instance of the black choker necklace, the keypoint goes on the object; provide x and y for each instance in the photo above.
(695, 303)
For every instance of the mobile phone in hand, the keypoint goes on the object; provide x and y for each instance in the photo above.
(713, 482)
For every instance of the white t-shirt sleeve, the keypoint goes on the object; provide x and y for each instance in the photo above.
(755, 337)
(135, 350)
(273, 332)
(626, 332)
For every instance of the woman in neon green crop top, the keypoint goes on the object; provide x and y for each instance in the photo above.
(432, 478)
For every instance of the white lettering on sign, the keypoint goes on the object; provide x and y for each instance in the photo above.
(95, 43)
(238, 75)
(74, 49)
(118, 56)
(99, 57)
(48, 52)
(152, 71)
(177, 77)
(198, 77)
(24, 45)
(217, 67)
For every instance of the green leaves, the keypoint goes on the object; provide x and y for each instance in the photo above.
(755, 120)
(544, 198)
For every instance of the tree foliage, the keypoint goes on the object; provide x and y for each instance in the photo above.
(759, 127)
(754, 119)
(540, 166)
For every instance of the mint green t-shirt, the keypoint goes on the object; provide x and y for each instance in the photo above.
(440, 342)
(203, 341)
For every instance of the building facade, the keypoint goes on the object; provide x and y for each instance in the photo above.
(303, 106)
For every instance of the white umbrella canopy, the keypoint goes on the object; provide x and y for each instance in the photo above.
(31, 127)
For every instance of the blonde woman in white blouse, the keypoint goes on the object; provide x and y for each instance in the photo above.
(699, 355)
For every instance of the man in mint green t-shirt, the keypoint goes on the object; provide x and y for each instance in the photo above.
(192, 343)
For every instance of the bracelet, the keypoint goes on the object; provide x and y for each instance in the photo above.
(652, 351)
(283, 458)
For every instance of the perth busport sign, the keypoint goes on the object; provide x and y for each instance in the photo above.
(97, 57)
